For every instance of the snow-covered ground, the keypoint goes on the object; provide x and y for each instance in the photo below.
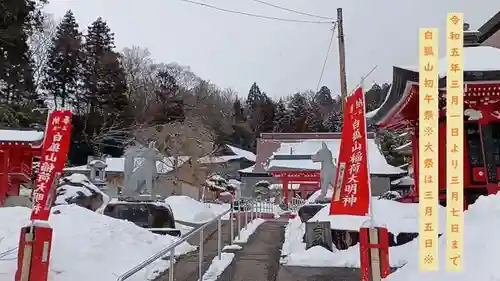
(397, 217)
(247, 231)
(188, 210)
(217, 267)
(296, 254)
(86, 245)
(481, 248)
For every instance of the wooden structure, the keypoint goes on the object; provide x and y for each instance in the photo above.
(17, 151)
(481, 110)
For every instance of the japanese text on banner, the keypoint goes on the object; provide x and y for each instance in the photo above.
(54, 156)
(454, 141)
(428, 149)
(353, 176)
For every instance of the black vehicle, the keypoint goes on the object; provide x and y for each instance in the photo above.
(157, 217)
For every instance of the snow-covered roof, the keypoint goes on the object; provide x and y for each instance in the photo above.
(238, 154)
(377, 163)
(243, 153)
(481, 58)
(404, 181)
(403, 147)
(20, 136)
(116, 165)
(247, 170)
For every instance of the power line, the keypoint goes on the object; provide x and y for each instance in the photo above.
(293, 11)
(255, 15)
(326, 57)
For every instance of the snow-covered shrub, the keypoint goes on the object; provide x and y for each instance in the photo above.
(391, 195)
(78, 189)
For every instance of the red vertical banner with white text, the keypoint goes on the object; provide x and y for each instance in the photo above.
(54, 156)
(354, 181)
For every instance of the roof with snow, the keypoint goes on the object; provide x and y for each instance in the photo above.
(404, 181)
(304, 149)
(481, 65)
(116, 165)
(238, 153)
(21, 136)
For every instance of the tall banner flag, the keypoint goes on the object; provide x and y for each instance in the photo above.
(54, 156)
(352, 176)
(428, 149)
(454, 141)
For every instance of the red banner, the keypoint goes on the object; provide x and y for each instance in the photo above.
(54, 156)
(353, 180)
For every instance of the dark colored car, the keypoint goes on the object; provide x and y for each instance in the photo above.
(154, 216)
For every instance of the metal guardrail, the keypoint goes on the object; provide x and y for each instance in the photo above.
(296, 203)
(251, 209)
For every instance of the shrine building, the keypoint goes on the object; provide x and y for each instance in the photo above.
(481, 113)
(285, 159)
(18, 149)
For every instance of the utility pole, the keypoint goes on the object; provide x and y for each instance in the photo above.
(343, 79)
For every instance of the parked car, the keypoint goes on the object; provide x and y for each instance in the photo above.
(155, 216)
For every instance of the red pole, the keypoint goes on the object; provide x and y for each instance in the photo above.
(284, 183)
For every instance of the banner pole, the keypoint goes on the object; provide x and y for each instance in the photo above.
(370, 199)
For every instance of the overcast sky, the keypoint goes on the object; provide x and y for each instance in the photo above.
(235, 50)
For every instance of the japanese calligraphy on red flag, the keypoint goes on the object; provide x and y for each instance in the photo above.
(354, 180)
(54, 156)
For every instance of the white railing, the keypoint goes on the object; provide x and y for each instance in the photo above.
(247, 208)
(296, 203)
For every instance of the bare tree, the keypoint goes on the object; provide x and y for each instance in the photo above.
(39, 44)
(179, 140)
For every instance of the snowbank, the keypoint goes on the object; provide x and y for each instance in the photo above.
(248, 230)
(296, 254)
(187, 209)
(86, 245)
(217, 267)
(77, 186)
(397, 217)
(482, 227)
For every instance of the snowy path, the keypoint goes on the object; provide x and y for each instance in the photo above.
(186, 268)
(259, 258)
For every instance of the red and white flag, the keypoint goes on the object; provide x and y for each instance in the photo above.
(352, 184)
(54, 156)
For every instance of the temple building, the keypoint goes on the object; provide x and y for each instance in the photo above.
(481, 111)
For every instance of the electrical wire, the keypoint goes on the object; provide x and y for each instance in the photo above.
(255, 15)
(326, 56)
(290, 10)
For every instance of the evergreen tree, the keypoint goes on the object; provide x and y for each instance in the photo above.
(17, 92)
(254, 97)
(104, 83)
(323, 96)
(61, 76)
(103, 88)
(239, 115)
(281, 120)
(314, 119)
(298, 106)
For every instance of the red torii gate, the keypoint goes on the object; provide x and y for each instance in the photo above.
(288, 177)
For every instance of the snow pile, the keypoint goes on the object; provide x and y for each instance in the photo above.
(397, 217)
(188, 210)
(482, 221)
(248, 230)
(87, 245)
(217, 267)
(296, 254)
(77, 187)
